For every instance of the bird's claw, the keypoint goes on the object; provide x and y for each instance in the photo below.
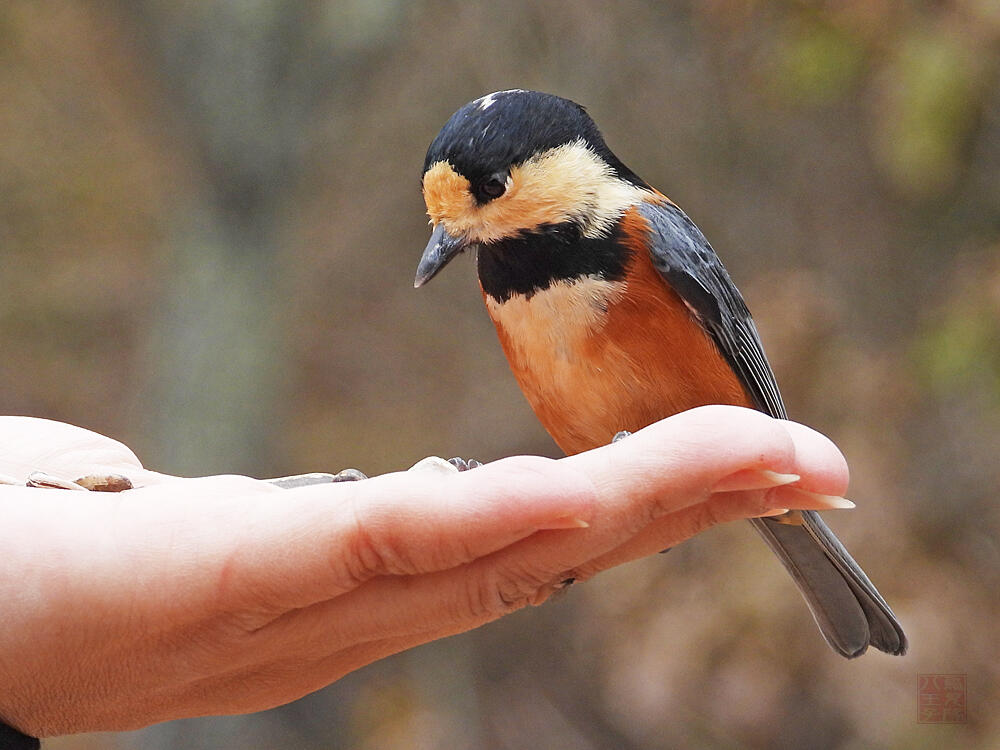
(464, 465)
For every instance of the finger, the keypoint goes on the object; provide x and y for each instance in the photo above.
(527, 572)
(397, 607)
(314, 543)
(460, 599)
(489, 588)
(660, 470)
(665, 472)
(29, 444)
(815, 480)
(686, 456)
(678, 527)
(722, 448)
(421, 522)
(819, 462)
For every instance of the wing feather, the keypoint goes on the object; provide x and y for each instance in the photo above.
(848, 608)
(688, 263)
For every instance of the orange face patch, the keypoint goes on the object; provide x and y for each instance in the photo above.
(567, 183)
(448, 195)
(528, 202)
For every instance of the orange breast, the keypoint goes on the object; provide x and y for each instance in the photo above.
(596, 357)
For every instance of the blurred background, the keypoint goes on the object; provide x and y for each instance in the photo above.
(210, 218)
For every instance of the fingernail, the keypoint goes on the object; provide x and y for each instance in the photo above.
(563, 522)
(755, 479)
(835, 502)
(800, 499)
(774, 512)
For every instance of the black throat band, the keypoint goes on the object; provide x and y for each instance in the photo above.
(533, 261)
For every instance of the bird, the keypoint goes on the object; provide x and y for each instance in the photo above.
(614, 311)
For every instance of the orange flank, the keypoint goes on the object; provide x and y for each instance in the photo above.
(595, 357)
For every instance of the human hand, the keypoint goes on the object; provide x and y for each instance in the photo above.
(222, 595)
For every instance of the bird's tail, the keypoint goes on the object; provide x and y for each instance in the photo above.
(849, 610)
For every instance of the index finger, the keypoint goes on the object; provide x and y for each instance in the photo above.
(401, 524)
(30, 444)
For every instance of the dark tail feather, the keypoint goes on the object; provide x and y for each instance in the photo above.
(850, 612)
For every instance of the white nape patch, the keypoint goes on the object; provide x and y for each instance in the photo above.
(485, 102)
(550, 326)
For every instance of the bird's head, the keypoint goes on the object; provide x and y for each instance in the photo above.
(516, 162)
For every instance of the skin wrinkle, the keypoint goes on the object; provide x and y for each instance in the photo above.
(519, 582)
(365, 556)
(521, 474)
(488, 595)
(363, 553)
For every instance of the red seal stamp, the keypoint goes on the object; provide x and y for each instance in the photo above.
(941, 699)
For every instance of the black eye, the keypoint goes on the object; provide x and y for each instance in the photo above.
(492, 187)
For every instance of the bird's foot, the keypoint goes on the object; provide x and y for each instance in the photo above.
(464, 465)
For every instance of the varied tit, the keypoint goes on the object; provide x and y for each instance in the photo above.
(614, 311)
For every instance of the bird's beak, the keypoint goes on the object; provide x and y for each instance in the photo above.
(441, 248)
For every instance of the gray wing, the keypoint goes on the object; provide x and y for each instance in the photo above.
(849, 610)
(690, 266)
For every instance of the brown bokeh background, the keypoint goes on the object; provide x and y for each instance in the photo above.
(209, 222)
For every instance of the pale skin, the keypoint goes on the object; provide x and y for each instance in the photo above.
(223, 595)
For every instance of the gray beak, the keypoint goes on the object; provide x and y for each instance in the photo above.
(441, 248)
